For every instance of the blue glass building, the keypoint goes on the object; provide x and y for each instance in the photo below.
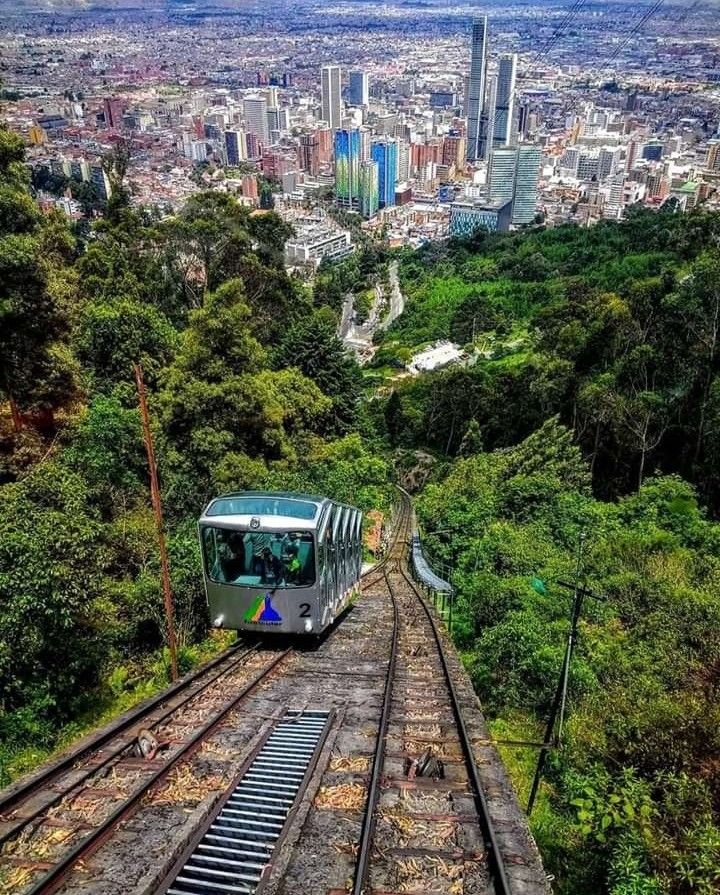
(347, 166)
(385, 153)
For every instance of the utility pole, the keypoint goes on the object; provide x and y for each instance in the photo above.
(157, 508)
(551, 740)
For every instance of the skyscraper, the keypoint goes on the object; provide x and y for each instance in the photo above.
(503, 115)
(358, 88)
(309, 153)
(113, 110)
(235, 147)
(477, 88)
(403, 165)
(385, 153)
(501, 177)
(330, 78)
(369, 188)
(256, 121)
(365, 144)
(713, 157)
(347, 166)
(514, 175)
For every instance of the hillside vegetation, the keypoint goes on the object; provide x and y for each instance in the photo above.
(248, 387)
(584, 433)
(582, 437)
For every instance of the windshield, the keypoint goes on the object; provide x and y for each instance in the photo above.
(262, 506)
(259, 558)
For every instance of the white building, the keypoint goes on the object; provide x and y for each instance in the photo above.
(316, 241)
(330, 85)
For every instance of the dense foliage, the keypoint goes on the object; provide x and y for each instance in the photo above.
(248, 386)
(588, 413)
(615, 329)
(631, 799)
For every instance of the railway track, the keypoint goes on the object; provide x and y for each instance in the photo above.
(328, 780)
(53, 799)
(424, 792)
(46, 828)
(424, 784)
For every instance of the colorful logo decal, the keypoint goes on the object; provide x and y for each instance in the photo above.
(263, 612)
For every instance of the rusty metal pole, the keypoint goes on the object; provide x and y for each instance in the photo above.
(157, 508)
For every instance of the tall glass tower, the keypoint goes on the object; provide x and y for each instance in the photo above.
(385, 153)
(358, 88)
(503, 115)
(347, 166)
(369, 188)
(514, 175)
(477, 88)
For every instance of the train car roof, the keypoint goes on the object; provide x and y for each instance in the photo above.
(272, 509)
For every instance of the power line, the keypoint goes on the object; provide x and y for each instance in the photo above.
(570, 16)
(647, 15)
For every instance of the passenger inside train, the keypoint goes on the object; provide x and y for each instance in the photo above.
(260, 558)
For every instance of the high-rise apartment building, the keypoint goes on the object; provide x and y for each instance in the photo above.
(256, 121)
(330, 85)
(369, 188)
(713, 157)
(235, 147)
(477, 89)
(113, 111)
(514, 175)
(385, 153)
(347, 166)
(503, 115)
(309, 153)
(358, 88)
(403, 165)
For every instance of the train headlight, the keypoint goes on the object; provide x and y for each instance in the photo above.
(308, 626)
(217, 623)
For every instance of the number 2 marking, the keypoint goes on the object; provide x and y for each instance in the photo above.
(305, 610)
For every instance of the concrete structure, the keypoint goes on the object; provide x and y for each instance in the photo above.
(330, 86)
(256, 121)
(315, 242)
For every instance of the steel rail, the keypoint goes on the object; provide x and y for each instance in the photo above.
(495, 862)
(116, 752)
(15, 794)
(368, 824)
(55, 876)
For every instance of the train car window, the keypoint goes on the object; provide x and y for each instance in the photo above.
(263, 506)
(259, 558)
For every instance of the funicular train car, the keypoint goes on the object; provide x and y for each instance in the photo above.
(280, 562)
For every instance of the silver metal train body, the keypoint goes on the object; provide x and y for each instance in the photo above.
(281, 562)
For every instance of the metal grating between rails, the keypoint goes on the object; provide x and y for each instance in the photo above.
(235, 849)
